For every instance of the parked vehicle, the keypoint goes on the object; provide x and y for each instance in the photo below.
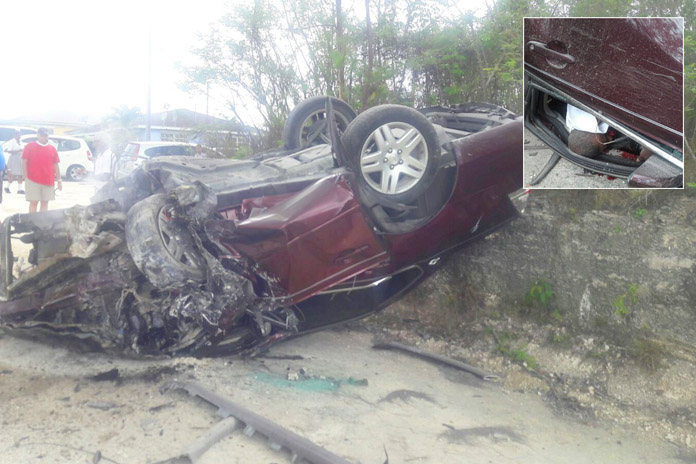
(195, 256)
(136, 153)
(105, 164)
(7, 132)
(75, 156)
(625, 72)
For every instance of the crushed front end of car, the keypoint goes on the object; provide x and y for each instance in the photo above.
(69, 272)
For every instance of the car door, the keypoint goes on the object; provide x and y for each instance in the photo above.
(628, 68)
(310, 240)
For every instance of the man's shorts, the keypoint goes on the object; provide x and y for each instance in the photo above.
(39, 192)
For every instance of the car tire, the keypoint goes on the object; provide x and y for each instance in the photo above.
(75, 172)
(306, 126)
(161, 248)
(394, 151)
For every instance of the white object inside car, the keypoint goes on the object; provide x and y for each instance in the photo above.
(577, 119)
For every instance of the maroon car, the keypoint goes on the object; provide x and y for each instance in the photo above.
(625, 73)
(218, 256)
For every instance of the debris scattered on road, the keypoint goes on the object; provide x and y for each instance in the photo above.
(162, 406)
(278, 436)
(288, 357)
(405, 396)
(106, 376)
(103, 405)
(495, 434)
(302, 381)
(437, 358)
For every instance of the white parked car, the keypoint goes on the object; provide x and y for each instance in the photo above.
(137, 152)
(75, 157)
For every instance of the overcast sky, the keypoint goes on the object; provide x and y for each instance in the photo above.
(88, 56)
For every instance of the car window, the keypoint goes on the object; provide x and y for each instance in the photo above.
(27, 131)
(180, 151)
(67, 145)
(171, 150)
(155, 151)
(131, 149)
(29, 139)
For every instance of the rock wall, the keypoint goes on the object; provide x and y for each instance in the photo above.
(641, 247)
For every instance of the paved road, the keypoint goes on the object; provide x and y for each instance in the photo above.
(73, 193)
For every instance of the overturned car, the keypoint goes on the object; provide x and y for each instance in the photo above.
(207, 257)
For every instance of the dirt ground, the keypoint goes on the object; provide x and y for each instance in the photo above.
(365, 405)
(359, 403)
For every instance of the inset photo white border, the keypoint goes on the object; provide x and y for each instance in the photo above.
(623, 79)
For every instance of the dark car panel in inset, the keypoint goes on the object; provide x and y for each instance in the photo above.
(630, 69)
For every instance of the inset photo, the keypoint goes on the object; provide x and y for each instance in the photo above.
(603, 102)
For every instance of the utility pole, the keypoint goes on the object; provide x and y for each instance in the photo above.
(149, 82)
(207, 91)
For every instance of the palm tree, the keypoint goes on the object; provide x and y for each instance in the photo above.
(120, 124)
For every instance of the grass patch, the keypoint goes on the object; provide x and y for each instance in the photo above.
(538, 302)
(623, 302)
(507, 346)
(559, 339)
(522, 357)
(599, 355)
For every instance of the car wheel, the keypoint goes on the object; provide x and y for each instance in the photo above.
(394, 150)
(160, 245)
(306, 124)
(75, 172)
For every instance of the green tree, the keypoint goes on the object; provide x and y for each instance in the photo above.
(120, 124)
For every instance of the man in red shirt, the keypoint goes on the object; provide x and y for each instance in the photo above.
(40, 167)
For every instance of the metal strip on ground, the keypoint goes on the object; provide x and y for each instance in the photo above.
(277, 435)
(436, 357)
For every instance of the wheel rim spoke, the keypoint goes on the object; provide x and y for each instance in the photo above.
(380, 140)
(372, 158)
(414, 163)
(177, 249)
(372, 168)
(413, 142)
(410, 138)
(410, 172)
(386, 132)
(393, 187)
(176, 241)
(316, 128)
(387, 181)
